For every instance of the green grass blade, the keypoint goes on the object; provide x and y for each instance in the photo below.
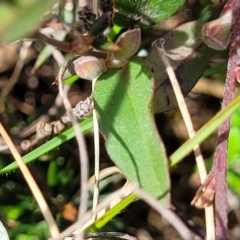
(68, 134)
(111, 213)
(204, 132)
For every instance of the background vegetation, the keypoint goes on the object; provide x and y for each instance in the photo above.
(27, 71)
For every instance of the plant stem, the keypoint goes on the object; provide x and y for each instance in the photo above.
(209, 211)
(62, 46)
(220, 157)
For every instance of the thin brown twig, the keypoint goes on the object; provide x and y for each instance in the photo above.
(104, 173)
(95, 7)
(219, 167)
(60, 45)
(83, 154)
(17, 70)
(32, 184)
(45, 130)
(209, 211)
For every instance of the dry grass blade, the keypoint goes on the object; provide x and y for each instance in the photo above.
(83, 155)
(104, 173)
(209, 211)
(32, 184)
(109, 202)
(97, 155)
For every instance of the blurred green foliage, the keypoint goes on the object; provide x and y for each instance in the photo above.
(233, 176)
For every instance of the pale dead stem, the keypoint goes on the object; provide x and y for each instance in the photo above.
(103, 174)
(97, 155)
(95, 7)
(108, 203)
(83, 155)
(32, 184)
(17, 70)
(209, 211)
(112, 200)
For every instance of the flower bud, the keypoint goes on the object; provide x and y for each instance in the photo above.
(89, 67)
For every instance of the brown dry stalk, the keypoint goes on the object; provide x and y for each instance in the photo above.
(32, 184)
(209, 211)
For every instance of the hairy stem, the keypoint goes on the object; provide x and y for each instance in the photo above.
(220, 157)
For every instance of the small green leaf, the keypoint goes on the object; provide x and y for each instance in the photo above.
(186, 51)
(145, 12)
(21, 19)
(52, 179)
(123, 102)
(115, 30)
(128, 42)
(234, 137)
(69, 80)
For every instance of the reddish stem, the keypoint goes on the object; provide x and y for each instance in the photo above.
(62, 46)
(220, 158)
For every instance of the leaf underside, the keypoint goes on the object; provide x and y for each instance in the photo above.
(188, 56)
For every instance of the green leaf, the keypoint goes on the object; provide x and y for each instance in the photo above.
(115, 30)
(186, 51)
(123, 102)
(19, 20)
(52, 174)
(145, 12)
